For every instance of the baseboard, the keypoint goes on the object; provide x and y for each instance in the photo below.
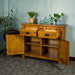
(72, 58)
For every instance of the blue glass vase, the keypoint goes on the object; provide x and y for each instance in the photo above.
(58, 22)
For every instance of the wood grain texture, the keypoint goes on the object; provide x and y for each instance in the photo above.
(64, 51)
(32, 42)
(15, 44)
(62, 28)
(48, 34)
(28, 32)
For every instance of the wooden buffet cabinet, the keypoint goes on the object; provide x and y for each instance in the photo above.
(40, 41)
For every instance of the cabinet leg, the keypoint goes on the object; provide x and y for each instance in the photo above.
(59, 62)
(23, 56)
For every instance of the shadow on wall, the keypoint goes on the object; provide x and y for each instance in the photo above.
(64, 19)
(68, 32)
(69, 35)
(68, 28)
(36, 19)
(2, 43)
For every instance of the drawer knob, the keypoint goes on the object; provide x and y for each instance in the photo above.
(27, 32)
(46, 34)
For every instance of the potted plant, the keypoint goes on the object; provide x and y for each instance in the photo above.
(6, 24)
(56, 18)
(31, 19)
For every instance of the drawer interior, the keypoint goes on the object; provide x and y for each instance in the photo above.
(46, 33)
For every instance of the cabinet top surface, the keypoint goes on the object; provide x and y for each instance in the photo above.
(62, 25)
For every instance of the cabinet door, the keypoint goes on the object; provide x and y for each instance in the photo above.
(14, 44)
(64, 51)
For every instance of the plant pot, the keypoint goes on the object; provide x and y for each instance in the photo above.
(31, 20)
(58, 22)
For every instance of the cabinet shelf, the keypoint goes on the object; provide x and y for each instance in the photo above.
(50, 56)
(30, 53)
(33, 43)
(53, 46)
(37, 55)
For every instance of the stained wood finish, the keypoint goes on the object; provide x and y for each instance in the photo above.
(28, 32)
(62, 27)
(15, 44)
(32, 42)
(41, 47)
(64, 50)
(51, 34)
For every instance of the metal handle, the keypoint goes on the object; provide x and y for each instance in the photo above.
(27, 32)
(46, 34)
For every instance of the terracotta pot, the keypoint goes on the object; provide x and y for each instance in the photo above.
(31, 20)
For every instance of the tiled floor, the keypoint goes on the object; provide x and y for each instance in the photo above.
(15, 65)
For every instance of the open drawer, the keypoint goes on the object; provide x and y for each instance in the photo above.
(52, 33)
(28, 32)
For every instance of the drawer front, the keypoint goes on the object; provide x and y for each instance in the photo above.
(29, 33)
(51, 35)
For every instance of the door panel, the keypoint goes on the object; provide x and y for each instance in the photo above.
(64, 51)
(14, 44)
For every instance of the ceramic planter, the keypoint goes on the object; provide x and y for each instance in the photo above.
(58, 22)
(31, 20)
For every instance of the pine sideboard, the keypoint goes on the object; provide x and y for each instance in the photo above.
(40, 41)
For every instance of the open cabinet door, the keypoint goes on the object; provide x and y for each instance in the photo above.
(64, 50)
(14, 44)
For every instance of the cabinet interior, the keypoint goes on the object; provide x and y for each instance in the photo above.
(48, 47)
(32, 45)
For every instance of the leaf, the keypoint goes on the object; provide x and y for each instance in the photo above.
(49, 15)
(31, 14)
(11, 10)
(55, 15)
(52, 18)
(62, 14)
(55, 20)
(59, 16)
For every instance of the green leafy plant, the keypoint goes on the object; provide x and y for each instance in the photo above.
(6, 23)
(31, 14)
(6, 20)
(56, 16)
(1, 19)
